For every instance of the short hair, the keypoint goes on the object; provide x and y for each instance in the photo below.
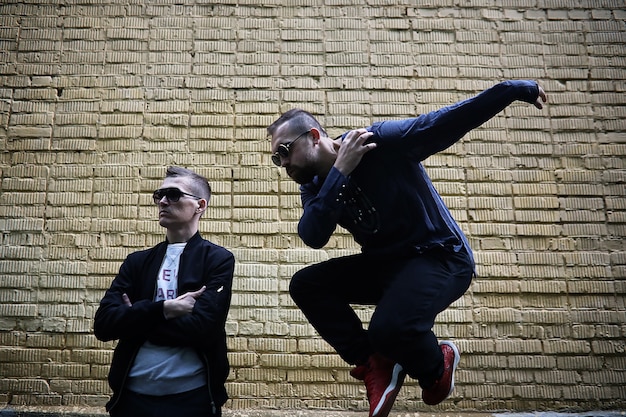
(299, 121)
(199, 185)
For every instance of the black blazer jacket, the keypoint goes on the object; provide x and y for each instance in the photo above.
(201, 263)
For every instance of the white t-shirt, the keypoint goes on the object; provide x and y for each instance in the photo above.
(164, 370)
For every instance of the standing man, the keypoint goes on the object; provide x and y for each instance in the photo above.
(414, 261)
(168, 306)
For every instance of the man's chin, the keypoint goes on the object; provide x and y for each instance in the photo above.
(302, 178)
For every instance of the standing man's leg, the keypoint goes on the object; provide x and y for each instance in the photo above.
(193, 403)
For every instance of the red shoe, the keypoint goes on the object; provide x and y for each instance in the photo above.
(383, 380)
(445, 385)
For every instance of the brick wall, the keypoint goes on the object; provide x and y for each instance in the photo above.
(97, 97)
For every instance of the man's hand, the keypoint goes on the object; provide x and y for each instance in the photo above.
(541, 98)
(181, 305)
(352, 149)
(126, 300)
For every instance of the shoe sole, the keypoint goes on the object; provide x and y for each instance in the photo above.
(457, 359)
(391, 392)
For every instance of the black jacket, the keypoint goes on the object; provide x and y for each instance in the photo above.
(201, 263)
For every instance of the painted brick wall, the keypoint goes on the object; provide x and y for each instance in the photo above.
(98, 97)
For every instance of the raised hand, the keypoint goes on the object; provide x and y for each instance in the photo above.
(352, 149)
(541, 98)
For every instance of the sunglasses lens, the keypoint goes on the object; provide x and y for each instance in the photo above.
(172, 195)
(283, 151)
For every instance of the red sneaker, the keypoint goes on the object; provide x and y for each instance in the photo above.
(445, 385)
(383, 380)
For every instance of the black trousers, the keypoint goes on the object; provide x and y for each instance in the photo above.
(194, 403)
(408, 293)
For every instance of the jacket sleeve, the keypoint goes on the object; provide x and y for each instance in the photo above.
(207, 320)
(115, 320)
(322, 209)
(433, 132)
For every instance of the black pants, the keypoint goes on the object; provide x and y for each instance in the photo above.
(408, 293)
(194, 403)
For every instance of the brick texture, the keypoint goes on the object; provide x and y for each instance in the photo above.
(98, 97)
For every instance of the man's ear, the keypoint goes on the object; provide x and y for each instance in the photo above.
(316, 135)
(202, 205)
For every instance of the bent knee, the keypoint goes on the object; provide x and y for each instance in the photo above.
(302, 284)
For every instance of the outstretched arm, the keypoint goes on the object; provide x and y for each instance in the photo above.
(356, 143)
(432, 132)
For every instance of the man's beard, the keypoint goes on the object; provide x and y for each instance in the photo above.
(302, 175)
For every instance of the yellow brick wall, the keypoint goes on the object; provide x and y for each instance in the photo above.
(98, 97)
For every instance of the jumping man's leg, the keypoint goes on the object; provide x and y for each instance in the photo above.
(324, 293)
(421, 287)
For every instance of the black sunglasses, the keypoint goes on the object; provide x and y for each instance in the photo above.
(172, 195)
(283, 150)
